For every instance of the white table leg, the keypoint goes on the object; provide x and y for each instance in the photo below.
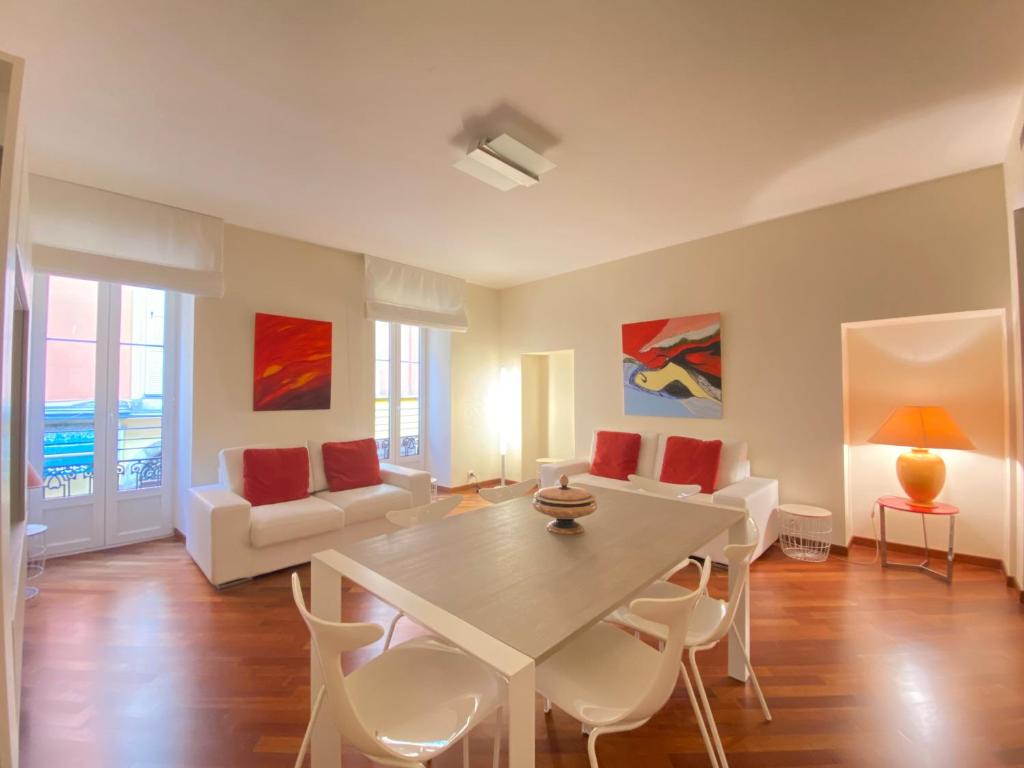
(737, 661)
(522, 700)
(325, 602)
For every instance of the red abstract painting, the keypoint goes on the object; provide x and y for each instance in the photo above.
(291, 364)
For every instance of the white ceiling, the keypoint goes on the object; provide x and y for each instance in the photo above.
(338, 122)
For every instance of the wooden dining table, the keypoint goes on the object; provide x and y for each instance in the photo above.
(498, 585)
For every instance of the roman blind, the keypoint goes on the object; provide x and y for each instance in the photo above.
(403, 294)
(89, 233)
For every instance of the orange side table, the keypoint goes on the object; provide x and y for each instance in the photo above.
(906, 505)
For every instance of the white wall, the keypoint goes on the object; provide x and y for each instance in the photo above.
(958, 362)
(561, 438)
(267, 273)
(784, 288)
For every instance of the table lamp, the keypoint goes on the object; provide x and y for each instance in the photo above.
(920, 427)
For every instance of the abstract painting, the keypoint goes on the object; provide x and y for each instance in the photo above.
(291, 364)
(673, 367)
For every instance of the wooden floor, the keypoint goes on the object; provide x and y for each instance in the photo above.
(132, 660)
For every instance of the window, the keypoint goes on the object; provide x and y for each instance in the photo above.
(398, 378)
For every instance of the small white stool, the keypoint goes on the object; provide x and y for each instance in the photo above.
(36, 555)
(806, 532)
(433, 487)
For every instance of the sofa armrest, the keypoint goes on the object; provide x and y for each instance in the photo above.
(752, 493)
(549, 473)
(415, 481)
(218, 533)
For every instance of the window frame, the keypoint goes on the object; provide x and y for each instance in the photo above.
(395, 397)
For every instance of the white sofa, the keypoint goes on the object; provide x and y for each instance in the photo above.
(231, 540)
(735, 486)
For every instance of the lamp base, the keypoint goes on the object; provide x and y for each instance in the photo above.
(922, 475)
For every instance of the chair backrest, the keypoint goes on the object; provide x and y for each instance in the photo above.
(502, 493)
(425, 513)
(658, 488)
(675, 614)
(739, 557)
(330, 639)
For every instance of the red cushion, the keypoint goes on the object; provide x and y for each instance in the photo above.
(273, 475)
(352, 464)
(691, 462)
(616, 454)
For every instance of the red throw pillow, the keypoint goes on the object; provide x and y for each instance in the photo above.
(616, 454)
(273, 475)
(352, 464)
(691, 462)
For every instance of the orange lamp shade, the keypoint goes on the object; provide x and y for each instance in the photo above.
(921, 426)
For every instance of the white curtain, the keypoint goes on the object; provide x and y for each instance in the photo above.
(403, 294)
(83, 232)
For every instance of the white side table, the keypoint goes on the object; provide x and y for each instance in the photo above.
(36, 555)
(543, 462)
(805, 532)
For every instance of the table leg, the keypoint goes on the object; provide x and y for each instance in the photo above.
(325, 602)
(522, 706)
(883, 550)
(949, 554)
(522, 703)
(737, 659)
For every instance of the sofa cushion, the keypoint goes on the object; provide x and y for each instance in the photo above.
(352, 464)
(732, 465)
(648, 451)
(274, 475)
(271, 524)
(691, 461)
(368, 503)
(316, 459)
(229, 465)
(615, 454)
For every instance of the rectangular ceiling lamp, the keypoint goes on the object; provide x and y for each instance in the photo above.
(504, 163)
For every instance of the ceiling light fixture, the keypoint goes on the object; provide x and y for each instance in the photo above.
(504, 163)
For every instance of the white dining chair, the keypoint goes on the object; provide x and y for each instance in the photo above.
(502, 493)
(659, 488)
(410, 518)
(713, 619)
(405, 707)
(612, 682)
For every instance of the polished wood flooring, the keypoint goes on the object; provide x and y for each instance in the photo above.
(132, 660)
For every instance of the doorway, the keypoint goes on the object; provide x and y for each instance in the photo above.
(548, 411)
(101, 412)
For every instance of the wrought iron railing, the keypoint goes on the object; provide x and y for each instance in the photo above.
(67, 480)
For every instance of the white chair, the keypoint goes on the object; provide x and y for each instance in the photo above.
(502, 493)
(406, 706)
(410, 518)
(658, 488)
(712, 620)
(612, 682)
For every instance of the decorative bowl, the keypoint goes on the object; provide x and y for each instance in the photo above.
(564, 503)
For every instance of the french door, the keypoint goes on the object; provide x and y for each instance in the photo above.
(398, 387)
(101, 412)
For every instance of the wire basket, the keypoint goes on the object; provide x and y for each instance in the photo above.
(806, 532)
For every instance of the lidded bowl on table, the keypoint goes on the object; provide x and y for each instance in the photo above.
(565, 503)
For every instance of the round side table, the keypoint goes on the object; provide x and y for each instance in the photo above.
(806, 532)
(36, 555)
(906, 505)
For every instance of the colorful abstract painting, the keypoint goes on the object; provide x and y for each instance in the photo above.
(291, 364)
(673, 367)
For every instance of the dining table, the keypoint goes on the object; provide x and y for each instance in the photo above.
(497, 584)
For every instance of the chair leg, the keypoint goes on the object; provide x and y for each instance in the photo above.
(391, 630)
(592, 746)
(753, 676)
(700, 718)
(497, 737)
(465, 751)
(309, 728)
(709, 716)
(547, 705)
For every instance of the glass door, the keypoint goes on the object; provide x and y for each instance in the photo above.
(100, 414)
